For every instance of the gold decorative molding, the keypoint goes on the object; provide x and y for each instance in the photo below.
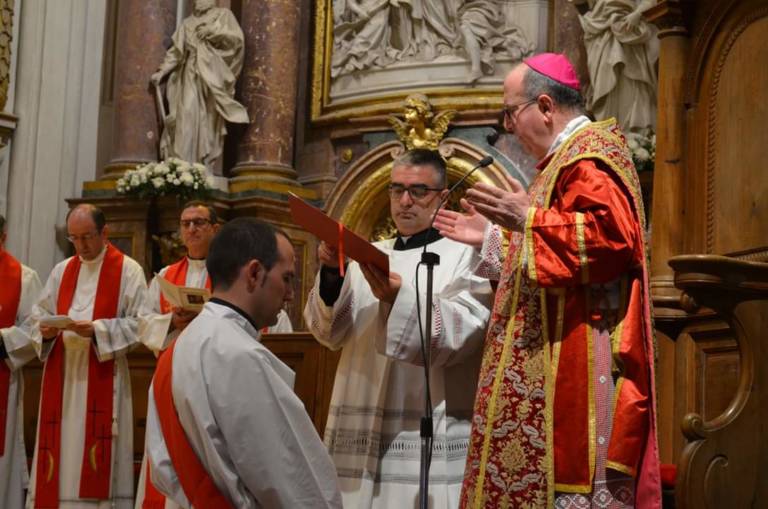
(6, 39)
(100, 185)
(323, 110)
(234, 186)
(275, 187)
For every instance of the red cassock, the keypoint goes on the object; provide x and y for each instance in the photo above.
(535, 426)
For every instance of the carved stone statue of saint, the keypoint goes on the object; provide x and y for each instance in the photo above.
(622, 51)
(202, 67)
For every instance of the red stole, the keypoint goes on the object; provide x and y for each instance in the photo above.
(198, 486)
(96, 467)
(10, 295)
(177, 274)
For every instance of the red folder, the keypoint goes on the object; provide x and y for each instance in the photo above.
(335, 234)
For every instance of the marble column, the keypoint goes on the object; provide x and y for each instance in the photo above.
(268, 91)
(144, 31)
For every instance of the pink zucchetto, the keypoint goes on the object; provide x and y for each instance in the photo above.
(555, 66)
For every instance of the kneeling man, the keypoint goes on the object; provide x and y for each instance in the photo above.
(224, 427)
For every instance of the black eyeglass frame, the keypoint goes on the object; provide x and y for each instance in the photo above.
(397, 190)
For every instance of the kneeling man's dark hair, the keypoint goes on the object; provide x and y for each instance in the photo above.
(238, 242)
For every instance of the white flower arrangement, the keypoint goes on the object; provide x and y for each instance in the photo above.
(643, 148)
(170, 177)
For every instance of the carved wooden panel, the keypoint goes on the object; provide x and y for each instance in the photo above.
(141, 362)
(716, 370)
(33, 375)
(710, 188)
(725, 459)
(727, 132)
(706, 372)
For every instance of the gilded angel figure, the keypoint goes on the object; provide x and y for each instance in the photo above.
(421, 127)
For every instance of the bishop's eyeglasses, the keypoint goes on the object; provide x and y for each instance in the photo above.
(512, 111)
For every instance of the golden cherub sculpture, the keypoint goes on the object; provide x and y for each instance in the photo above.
(421, 127)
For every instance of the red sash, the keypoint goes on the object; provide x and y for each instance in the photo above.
(197, 484)
(96, 467)
(10, 275)
(177, 274)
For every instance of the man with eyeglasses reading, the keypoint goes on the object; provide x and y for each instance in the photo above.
(161, 323)
(19, 292)
(84, 448)
(378, 397)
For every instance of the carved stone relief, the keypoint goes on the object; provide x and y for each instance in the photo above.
(387, 45)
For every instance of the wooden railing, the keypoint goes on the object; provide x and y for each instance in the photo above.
(725, 460)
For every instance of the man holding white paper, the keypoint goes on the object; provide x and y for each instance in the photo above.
(84, 448)
(161, 320)
(19, 291)
(379, 393)
(166, 312)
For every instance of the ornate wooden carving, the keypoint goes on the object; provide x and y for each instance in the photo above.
(725, 460)
(709, 193)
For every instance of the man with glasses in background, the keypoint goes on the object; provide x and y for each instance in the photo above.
(87, 318)
(378, 397)
(161, 323)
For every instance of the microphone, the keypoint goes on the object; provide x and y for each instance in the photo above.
(429, 260)
(486, 161)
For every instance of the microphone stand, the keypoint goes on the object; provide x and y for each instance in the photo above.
(430, 259)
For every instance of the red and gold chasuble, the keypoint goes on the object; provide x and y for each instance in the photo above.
(96, 467)
(534, 426)
(10, 295)
(176, 274)
(198, 486)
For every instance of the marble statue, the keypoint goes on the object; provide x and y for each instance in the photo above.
(622, 53)
(421, 127)
(202, 66)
